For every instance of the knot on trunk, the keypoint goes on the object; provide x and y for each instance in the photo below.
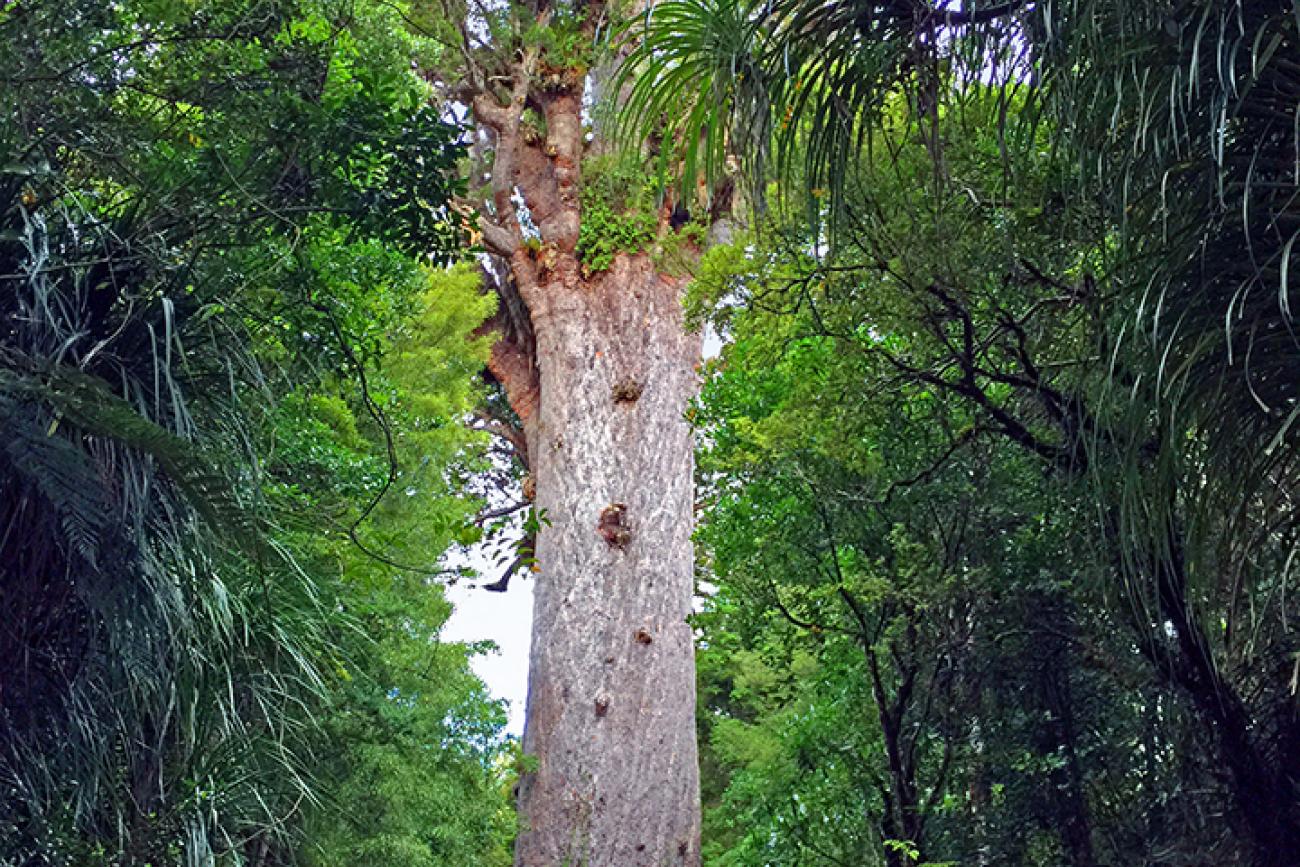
(643, 636)
(613, 525)
(602, 706)
(626, 390)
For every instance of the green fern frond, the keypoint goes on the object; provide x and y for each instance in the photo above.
(61, 471)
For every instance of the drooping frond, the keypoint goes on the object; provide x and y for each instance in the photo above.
(794, 90)
(696, 89)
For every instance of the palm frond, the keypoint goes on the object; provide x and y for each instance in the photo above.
(695, 88)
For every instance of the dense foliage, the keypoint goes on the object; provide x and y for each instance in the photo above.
(1002, 455)
(232, 385)
(911, 633)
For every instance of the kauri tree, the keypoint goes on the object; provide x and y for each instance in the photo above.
(598, 367)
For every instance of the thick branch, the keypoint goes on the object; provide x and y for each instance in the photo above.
(564, 147)
(499, 240)
(503, 235)
(509, 433)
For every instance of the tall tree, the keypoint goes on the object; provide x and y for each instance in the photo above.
(598, 366)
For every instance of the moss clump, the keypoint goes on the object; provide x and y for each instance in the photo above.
(618, 210)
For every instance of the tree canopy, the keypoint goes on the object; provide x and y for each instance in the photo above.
(233, 387)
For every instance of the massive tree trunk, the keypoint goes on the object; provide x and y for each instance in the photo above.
(611, 693)
(599, 368)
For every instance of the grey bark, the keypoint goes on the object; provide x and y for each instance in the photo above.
(611, 696)
(599, 369)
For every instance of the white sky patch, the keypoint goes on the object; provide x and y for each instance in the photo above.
(504, 618)
(713, 342)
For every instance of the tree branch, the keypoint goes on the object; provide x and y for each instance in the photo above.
(502, 235)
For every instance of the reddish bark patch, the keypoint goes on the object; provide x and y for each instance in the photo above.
(514, 369)
(613, 525)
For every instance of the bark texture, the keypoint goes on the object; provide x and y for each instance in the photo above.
(611, 694)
